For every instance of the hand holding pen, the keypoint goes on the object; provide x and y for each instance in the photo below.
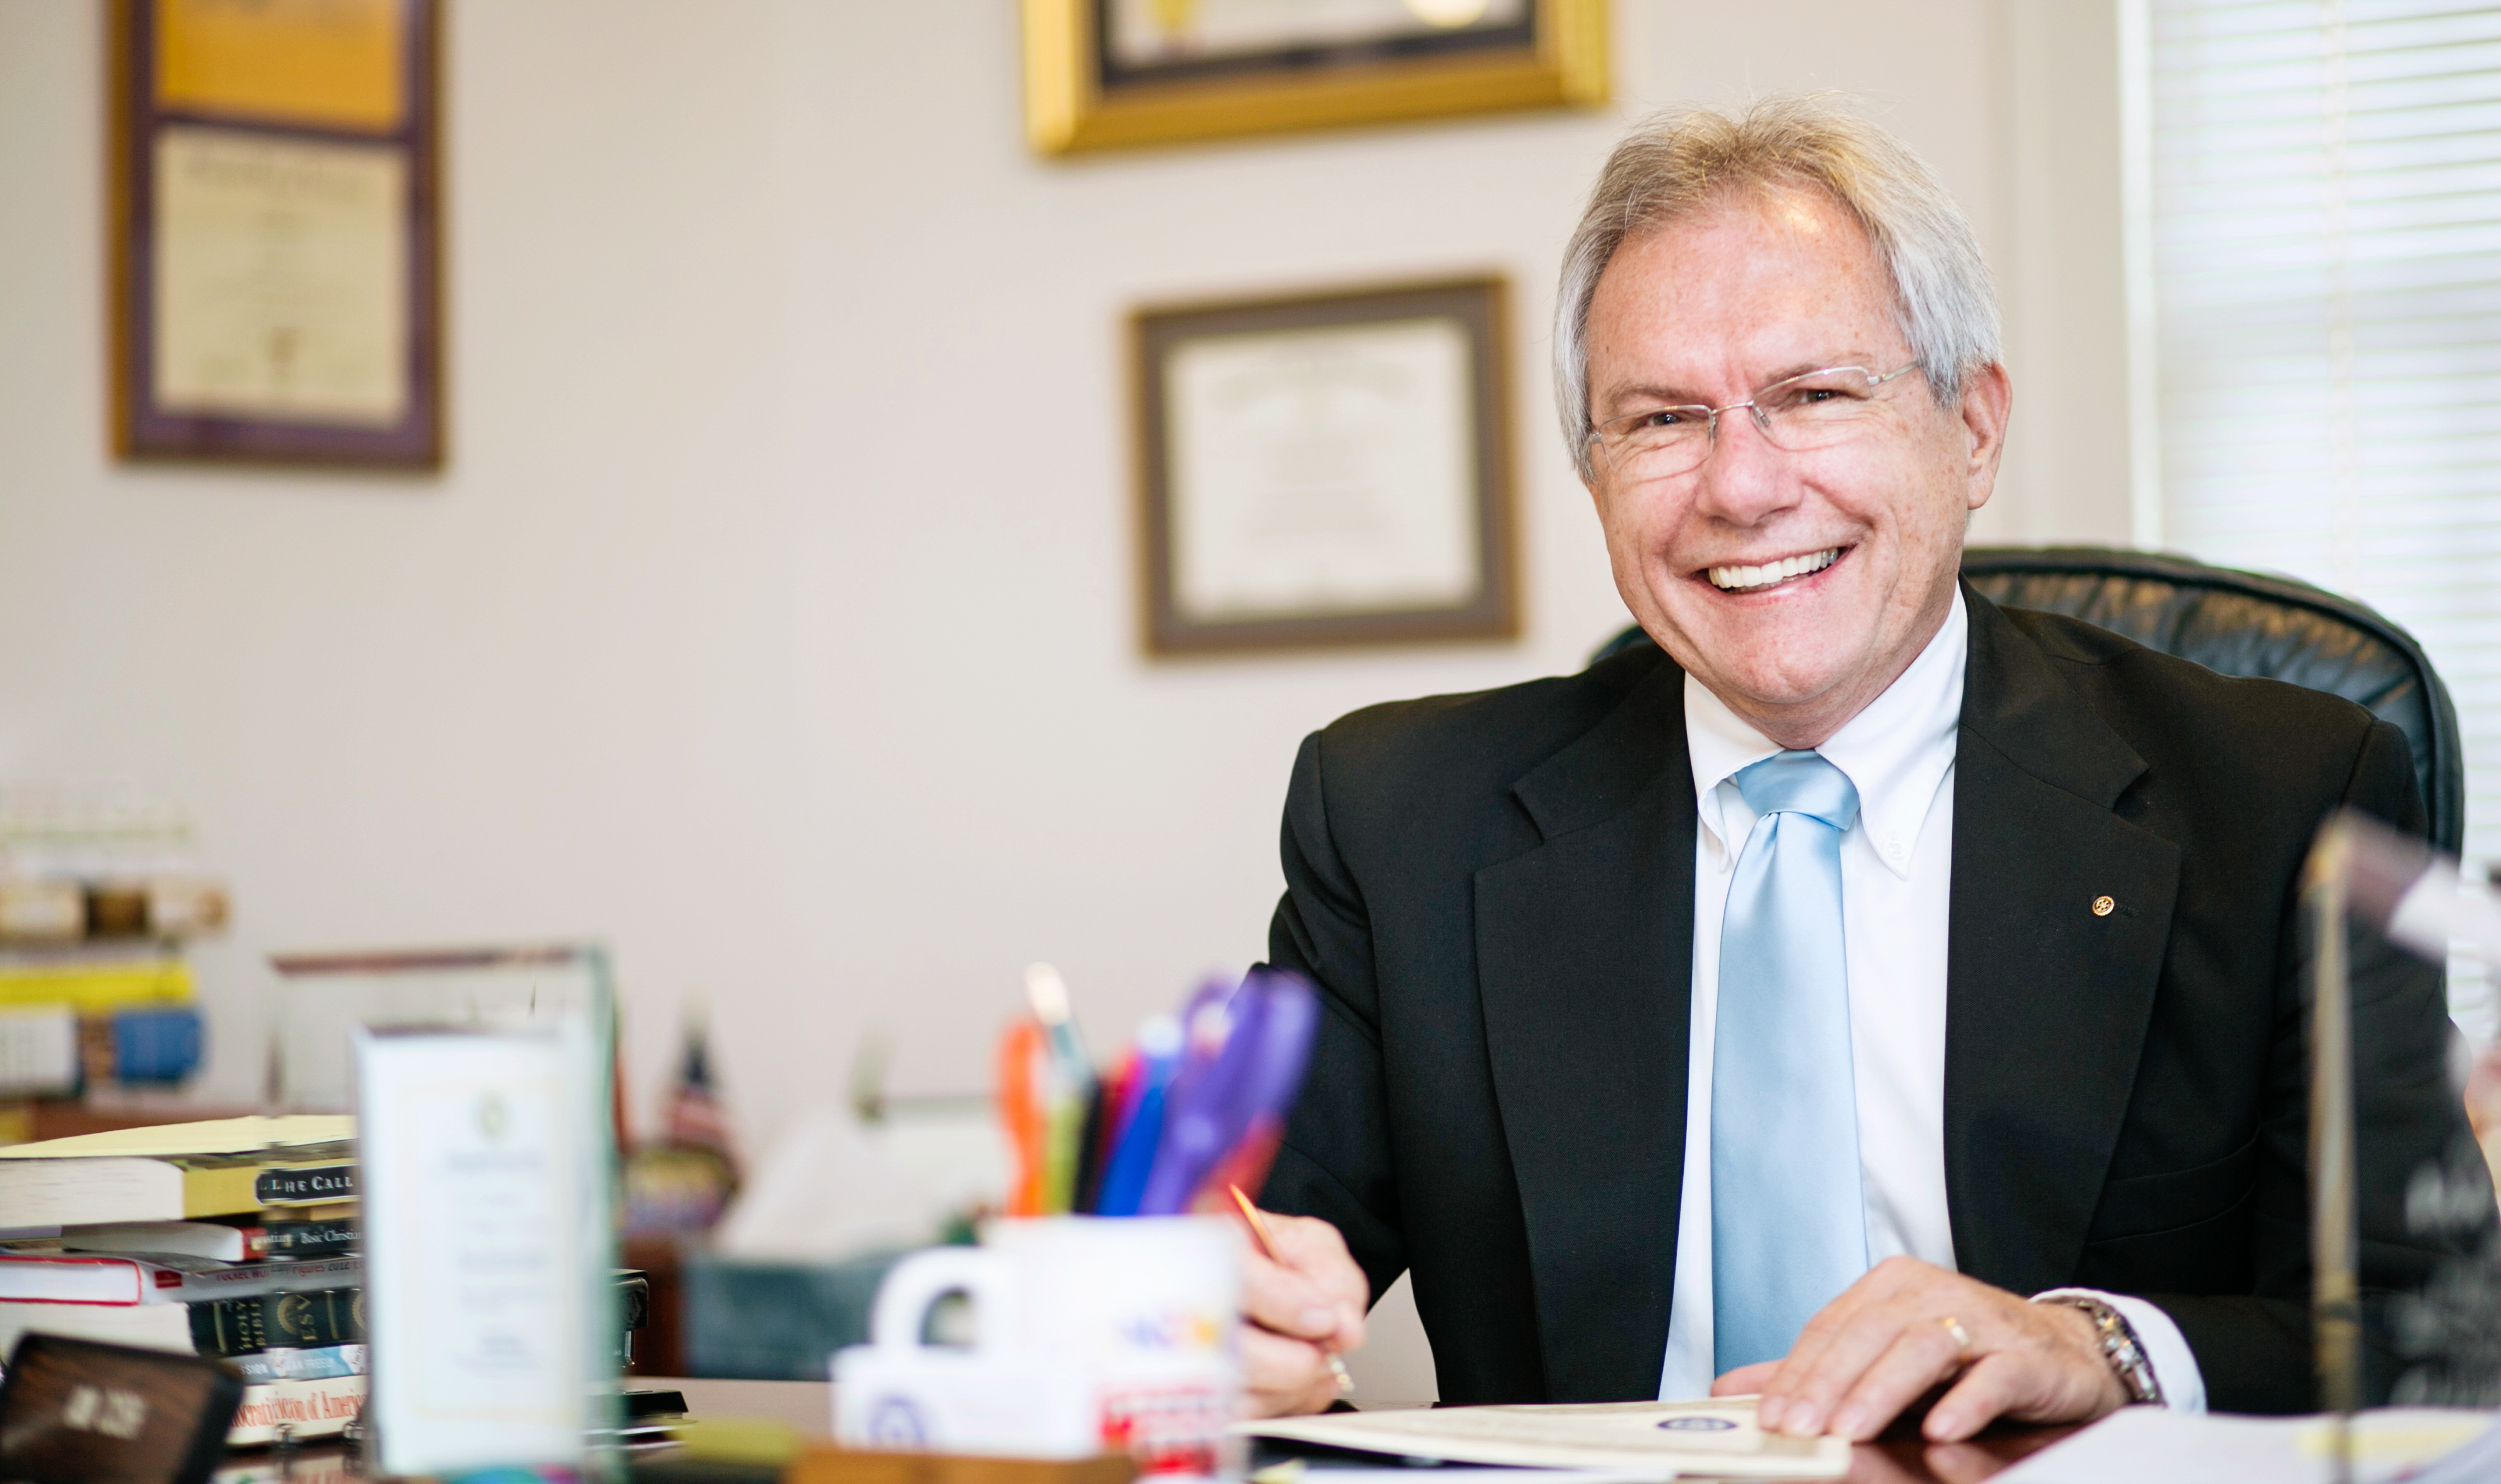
(1305, 1298)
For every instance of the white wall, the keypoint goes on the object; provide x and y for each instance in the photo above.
(2062, 267)
(773, 617)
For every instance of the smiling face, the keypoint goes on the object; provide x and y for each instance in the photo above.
(1796, 585)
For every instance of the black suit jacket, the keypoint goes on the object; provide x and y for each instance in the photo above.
(1494, 893)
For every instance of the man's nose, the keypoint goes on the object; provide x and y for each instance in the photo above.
(1744, 480)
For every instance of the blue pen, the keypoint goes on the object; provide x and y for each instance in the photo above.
(1142, 1121)
(1201, 1034)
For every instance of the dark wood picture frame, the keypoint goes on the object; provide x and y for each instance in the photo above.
(1078, 97)
(144, 429)
(1479, 306)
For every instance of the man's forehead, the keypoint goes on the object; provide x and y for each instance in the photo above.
(1768, 284)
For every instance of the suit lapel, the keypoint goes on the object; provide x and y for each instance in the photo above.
(1585, 958)
(2047, 999)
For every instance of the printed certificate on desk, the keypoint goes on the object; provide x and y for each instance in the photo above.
(482, 1268)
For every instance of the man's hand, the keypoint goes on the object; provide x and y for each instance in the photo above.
(1299, 1310)
(1885, 1343)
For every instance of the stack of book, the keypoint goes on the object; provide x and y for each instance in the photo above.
(234, 1238)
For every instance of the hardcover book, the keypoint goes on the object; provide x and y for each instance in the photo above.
(68, 1277)
(181, 1172)
(307, 1408)
(333, 1316)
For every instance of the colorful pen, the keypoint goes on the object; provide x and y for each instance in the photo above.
(1238, 1077)
(1066, 1091)
(1141, 1127)
(1021, 1113)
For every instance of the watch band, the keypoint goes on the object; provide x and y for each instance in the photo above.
(2120, 1348)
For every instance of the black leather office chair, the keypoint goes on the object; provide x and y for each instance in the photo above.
(2243, 624)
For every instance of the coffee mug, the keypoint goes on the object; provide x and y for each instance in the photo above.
(1091, 1334)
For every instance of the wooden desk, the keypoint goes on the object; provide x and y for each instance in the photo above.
(807, 1407)
(1910, 1461)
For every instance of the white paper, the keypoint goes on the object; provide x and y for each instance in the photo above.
(1717, 1439)
(1301, 1472)
(180, 1141)
(829, 1187)
(281, 277)
(475, 1268)
(1324, 470)
(2154, 1445)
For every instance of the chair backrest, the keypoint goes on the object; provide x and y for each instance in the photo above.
(2240, 623)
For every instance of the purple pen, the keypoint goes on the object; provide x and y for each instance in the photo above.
(1254, 1078)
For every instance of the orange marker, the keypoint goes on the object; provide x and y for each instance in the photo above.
(1020, 1112)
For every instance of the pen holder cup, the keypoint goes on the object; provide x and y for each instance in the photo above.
(1091, 1334)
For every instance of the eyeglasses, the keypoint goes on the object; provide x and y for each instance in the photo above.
(1811, 410)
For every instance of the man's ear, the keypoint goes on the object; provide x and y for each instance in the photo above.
(1987, 398)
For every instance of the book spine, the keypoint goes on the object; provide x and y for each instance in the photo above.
(319, 1408)
(301, 1365)
(248, 1280)
(309, 1238)
(91, 984)
(310, 1321)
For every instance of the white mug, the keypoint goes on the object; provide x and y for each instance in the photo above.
(1092, 1335)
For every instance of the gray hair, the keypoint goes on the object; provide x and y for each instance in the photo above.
(1685, 161)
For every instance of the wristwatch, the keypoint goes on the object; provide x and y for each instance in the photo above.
(2119, 1347)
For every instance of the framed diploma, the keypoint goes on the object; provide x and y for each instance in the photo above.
(276, 277)
(1104, 74)
(1331, 469)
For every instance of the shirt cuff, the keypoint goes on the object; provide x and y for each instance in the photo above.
(2166, 1349)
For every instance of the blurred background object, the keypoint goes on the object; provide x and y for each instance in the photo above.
(2483, 1105)
(677, 1184)
(793, 1265)
(102, 893)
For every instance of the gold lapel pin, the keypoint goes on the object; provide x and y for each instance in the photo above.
(2103, 907)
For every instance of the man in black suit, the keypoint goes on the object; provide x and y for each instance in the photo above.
(1623, 1049)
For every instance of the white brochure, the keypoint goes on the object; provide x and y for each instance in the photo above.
(479, 1292)
(1661, 1439)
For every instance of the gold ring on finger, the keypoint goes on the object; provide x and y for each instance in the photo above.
(1961, 1336)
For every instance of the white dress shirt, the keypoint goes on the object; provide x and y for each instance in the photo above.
(1896, 880)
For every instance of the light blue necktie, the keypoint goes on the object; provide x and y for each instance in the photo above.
(1788, 1225)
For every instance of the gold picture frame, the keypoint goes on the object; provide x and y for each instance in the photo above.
(1326, 469)
(1079, 96)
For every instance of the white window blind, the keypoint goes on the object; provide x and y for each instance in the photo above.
(2324, 185)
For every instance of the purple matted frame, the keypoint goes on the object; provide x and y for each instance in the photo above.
(141, 429)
